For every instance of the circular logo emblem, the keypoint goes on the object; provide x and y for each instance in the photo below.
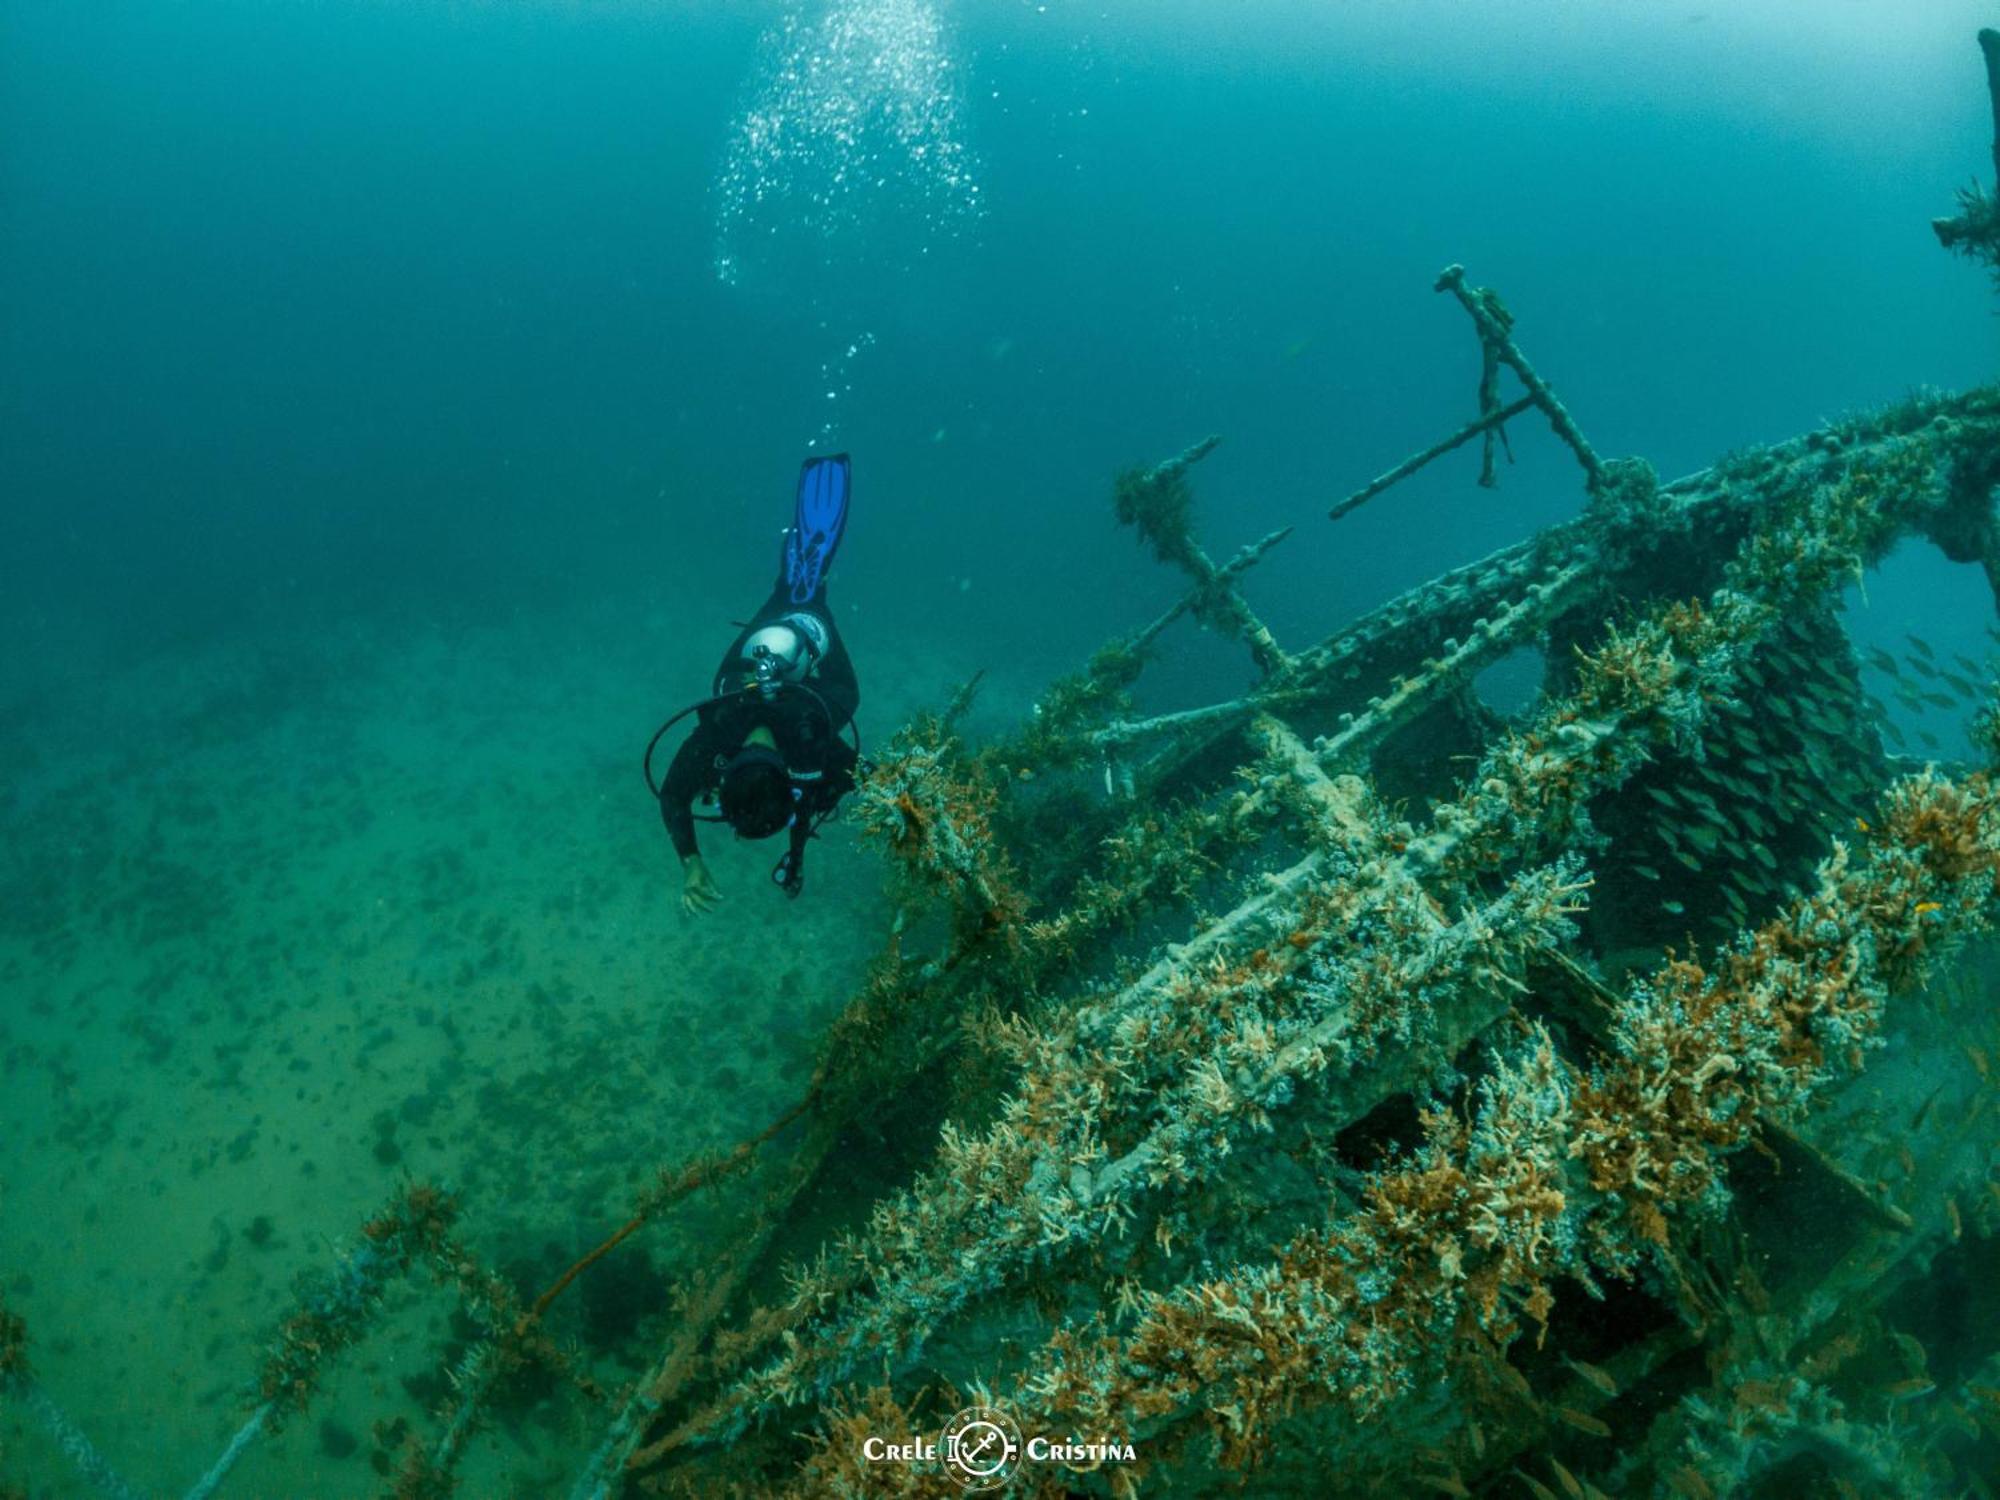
(981, 1447)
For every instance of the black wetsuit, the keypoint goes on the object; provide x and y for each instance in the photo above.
(809, 725)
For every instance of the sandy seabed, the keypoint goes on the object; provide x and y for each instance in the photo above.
(286, 924)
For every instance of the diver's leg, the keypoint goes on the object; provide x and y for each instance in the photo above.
(836, 680)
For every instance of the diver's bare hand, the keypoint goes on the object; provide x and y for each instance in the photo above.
(698, 892)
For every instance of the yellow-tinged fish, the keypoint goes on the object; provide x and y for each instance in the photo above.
(1445, 1484)
(1535, 1487)
(1923, 1113)
(1583, 1421)
(1568, 1479)
(1596, 1377)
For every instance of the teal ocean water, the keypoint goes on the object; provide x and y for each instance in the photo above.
(399, 406)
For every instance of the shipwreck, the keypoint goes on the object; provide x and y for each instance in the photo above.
(1346, 1089)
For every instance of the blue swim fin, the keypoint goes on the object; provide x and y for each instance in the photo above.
(824, 485)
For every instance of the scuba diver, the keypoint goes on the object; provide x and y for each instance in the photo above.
(767, 751)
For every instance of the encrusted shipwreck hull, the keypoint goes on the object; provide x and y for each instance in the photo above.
(1311, 1141)
(1346, 1090)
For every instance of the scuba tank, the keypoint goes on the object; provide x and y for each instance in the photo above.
(783, 653)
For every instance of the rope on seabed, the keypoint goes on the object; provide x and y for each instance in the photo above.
(607, 1464)
(71, 1439)
(247, 1434)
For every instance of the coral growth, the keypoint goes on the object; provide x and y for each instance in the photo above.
(1974, 231)
(1457, 1243)
(1774, 1428)
(1265, 1108)
(1159, 504)
(933, 809)
(334, 1311)
(1145, 1091)
(1057, 732)
(1555, 1172)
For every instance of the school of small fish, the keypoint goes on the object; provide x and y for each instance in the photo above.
(1795, 760)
